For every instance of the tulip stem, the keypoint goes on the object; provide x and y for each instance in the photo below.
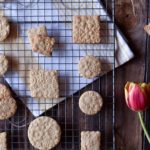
(143, 126)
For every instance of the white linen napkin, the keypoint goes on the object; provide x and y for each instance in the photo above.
(57, 17)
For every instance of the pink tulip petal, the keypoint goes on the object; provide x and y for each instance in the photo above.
(127, 92)
(136, 98)
(146, 90)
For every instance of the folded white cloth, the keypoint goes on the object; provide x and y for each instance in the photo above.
(66, 54)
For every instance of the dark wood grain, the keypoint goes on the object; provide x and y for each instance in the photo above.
(128, 130)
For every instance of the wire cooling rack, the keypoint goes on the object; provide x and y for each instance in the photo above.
(57, 16)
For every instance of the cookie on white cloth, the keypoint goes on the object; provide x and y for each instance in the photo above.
(43, 45)
(4, 28)
(44, 133)
(44, 84)
(89, 66)
(3, 141)
(90, 102)
(86, 29)
(8, 107)
(4, 91)
(90, 140)
(41, 30)
(3, 64)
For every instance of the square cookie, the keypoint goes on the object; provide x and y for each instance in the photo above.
(3, 141)
(43, 45)
(41, 30)
(86, 29)
(44, 84)
(90, 140)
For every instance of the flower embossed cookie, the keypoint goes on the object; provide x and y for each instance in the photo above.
(90, 102)
(89, 66)
(44, 133)
(8, 107)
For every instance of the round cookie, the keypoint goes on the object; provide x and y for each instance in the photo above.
(90, 102)
(4, 28)
(89, 67)
(4, 91)
(8, 107)
(44, 133)
(3, 64)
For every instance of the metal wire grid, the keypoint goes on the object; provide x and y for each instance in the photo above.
(67, 113)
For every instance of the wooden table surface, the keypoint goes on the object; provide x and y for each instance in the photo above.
(128, 130)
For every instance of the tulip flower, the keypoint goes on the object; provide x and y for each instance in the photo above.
(137, 98)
